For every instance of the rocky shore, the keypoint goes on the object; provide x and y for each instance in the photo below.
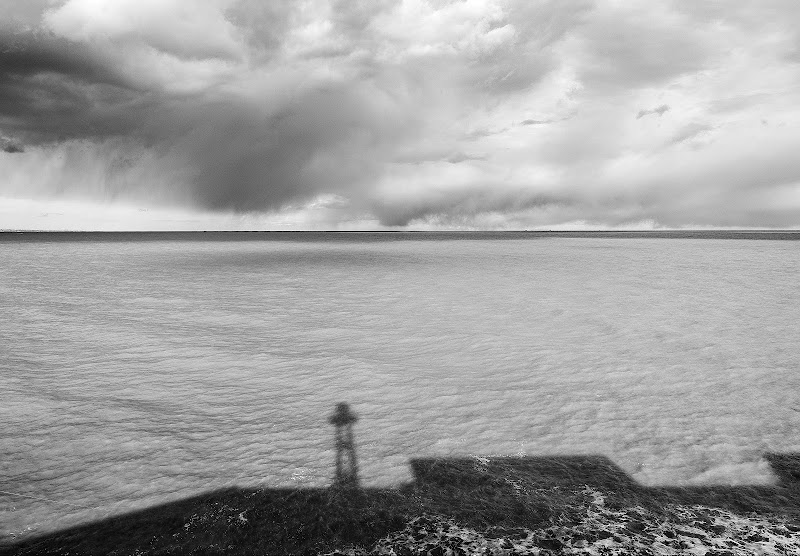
(487, 506)
(696, 530)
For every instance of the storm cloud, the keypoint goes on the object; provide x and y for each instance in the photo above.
(465, 113)
(10, 147)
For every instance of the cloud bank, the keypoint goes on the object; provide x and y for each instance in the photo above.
(405, 113)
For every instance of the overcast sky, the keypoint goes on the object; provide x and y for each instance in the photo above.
(363, 114)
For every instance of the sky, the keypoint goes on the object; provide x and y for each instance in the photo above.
(399, 114)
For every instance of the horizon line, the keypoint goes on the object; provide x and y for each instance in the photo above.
(383, 231)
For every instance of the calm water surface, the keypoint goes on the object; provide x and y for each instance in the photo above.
(136, 371)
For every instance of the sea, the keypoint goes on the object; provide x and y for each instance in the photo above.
(140, 368)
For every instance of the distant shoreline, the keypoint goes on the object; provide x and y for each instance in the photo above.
(390, 235)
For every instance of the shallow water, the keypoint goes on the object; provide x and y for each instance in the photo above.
(142, 370)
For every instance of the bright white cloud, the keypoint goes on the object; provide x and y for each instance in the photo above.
(180, 45)
(188, 29)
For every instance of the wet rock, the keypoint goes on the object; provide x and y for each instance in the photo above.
(604, 535)
(550, 544)
(717, 529)
(635, 526)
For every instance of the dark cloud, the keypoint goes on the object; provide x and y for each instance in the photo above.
(9, 146)
(52, 89)
(30, 54)
(459, 157)
(658, 111)
(230, 150)
(325, 140)
(689, 131)
(535, 122)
